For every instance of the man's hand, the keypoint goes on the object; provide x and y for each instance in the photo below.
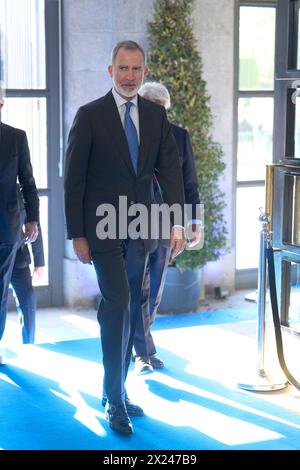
(82, 250)
(31, 232)
(195, 238)
(38, 274)
(177, 240)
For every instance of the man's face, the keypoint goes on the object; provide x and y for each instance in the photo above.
(128, 72)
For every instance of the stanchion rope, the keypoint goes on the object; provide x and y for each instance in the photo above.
(276, 320)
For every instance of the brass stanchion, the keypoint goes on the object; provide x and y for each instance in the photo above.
(262, 382)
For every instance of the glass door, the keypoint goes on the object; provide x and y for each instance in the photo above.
(255, 101)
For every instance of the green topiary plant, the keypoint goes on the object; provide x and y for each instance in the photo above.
(173, 60)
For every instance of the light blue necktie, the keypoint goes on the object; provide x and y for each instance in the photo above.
(132, 137)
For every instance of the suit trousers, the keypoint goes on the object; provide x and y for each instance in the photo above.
(120, 274)
(152, 291)
(24, 294)
(7, 259)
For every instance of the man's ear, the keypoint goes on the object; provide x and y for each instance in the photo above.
(146, 71)
(110, 70)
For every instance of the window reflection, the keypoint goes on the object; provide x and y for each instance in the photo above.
(293, 272)
(296, 212)
(255, 137)
(296, 153)
(255, 124)
(291, 218)
(298, 49)
(256, 47)
(29, 114)
(22, 41)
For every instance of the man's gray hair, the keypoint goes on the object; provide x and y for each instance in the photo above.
(2, 92)
(155, 91)
(129, 45)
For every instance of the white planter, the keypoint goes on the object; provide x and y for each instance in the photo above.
(181, 291)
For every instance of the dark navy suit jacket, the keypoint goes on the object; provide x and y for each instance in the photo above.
(187, 162)
(190, 179)
(15, 165)
(99, 169)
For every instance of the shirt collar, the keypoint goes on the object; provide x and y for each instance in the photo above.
(120, 101)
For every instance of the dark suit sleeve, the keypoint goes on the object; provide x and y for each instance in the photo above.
(26, 180)
(77, 158)
(168, 169)
(190, 179)
(38, 250)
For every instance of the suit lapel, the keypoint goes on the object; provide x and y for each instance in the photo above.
(1, 135)
(145, 127)
(114, 127)
(5, 138)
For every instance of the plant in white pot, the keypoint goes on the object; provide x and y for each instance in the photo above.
(173, 60)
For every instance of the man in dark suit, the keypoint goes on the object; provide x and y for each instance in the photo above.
(19, 204)
(115, 145)
(21, 281)
(146, 359)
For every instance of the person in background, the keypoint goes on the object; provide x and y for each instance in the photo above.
(19, 205)
(115, 145)
(146, 358)
(21, 281)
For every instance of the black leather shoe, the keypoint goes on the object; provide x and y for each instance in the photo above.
(117, 418)
(131, 408)
(156, 362)
(142, 365)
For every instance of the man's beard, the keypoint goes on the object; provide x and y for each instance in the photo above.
(124, 92)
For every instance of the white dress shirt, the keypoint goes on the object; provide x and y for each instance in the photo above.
(120, 102)
(134, 114)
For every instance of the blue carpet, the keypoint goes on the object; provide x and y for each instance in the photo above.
(213, 317)
(50, 396)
